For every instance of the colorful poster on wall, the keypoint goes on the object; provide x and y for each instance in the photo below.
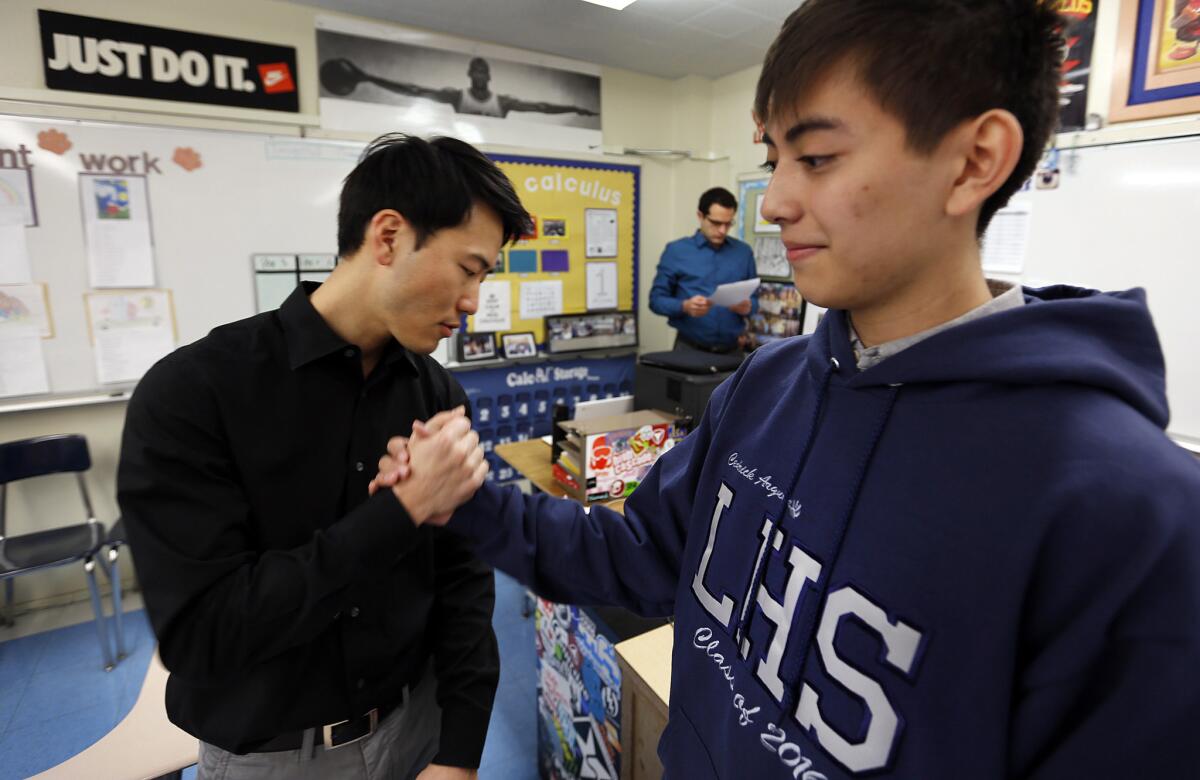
(131, 331)
(1078, 34)
(27, 304)
(116, 221)
(375, 77)
(579, 696)
(583, 210)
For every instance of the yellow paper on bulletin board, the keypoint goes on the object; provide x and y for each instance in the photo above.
(560, 194)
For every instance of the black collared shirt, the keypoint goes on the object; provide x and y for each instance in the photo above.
(282, 596)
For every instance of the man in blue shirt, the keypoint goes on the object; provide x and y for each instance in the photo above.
(690, 270)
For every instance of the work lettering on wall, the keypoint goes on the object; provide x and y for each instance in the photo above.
(84, 54)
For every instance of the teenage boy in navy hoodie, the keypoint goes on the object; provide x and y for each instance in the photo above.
(944, 536)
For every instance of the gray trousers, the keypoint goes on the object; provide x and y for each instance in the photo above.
(402, 745)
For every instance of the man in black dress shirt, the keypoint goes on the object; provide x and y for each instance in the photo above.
(325, 632)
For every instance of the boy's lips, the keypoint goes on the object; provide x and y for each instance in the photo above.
(798, 252)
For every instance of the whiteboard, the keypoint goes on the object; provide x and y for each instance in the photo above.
(1120, 218)
(221, 205)
(251, 194)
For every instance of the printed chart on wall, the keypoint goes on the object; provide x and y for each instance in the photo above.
(581, 254)
(781, 308)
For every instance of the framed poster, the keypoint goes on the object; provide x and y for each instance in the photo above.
(1156, 71)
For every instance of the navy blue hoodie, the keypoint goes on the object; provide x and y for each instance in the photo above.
(977, 559)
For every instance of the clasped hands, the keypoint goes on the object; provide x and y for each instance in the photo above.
(436, 470)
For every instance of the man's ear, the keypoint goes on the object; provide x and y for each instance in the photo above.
(988, 148)
(386, 231)
(699, 215)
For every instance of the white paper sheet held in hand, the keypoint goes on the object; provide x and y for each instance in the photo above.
(733, 293)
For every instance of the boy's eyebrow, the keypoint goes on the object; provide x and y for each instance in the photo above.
(812, 124)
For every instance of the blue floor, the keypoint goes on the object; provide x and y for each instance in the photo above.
(56, 700)
(55, 697)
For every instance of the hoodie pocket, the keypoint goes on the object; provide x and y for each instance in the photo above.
(683, 753)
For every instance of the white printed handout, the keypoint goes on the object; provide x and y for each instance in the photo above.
(116, 221)
(22, 362)
(601, 286)
(541, 298)
(733, 293)
(131, 331)
(495, 307)
(600, 227)
(14, 255)
(1006, 241)
(17, 205)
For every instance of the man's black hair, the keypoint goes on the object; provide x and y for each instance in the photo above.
(719, 196)
(434, 184)
(932, 64)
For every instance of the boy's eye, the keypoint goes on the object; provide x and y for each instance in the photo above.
(467, 271)
(815, 161)
(768, 166)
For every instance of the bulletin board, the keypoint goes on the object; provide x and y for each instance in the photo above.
(762, 236)
(582, 254)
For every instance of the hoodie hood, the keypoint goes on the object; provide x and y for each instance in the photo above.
(1064, 334)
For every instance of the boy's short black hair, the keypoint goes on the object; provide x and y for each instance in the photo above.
(930, 63)
(434, 184)
(719, 196)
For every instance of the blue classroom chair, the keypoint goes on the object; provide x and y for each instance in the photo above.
(58, 546)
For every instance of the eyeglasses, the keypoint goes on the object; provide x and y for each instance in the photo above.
(715, 223)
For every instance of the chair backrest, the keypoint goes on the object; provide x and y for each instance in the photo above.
(64, 452)
(43, 455)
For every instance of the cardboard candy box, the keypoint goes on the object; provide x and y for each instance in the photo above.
(608, 457)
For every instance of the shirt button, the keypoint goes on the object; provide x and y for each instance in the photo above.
(349, 352)
(354, 612)
(361, 682)
(358, 466)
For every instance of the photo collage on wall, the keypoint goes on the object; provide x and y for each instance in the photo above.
(781, 308)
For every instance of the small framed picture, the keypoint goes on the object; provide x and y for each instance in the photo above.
(518, 345)
(553, 227)
(476, 346)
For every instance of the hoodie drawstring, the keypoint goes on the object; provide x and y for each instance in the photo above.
(763, 563)
(792, 670)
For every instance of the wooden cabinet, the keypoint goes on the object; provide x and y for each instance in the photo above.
(645, 692)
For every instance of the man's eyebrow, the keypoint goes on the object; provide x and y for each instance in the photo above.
(485, 264)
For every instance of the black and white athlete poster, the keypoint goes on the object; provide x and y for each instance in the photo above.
(375, 78)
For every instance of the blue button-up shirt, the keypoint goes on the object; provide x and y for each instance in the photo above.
(691, 266)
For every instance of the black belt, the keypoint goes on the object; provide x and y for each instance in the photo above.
(331, 735)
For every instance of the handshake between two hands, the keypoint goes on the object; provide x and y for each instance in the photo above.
(436, 470)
